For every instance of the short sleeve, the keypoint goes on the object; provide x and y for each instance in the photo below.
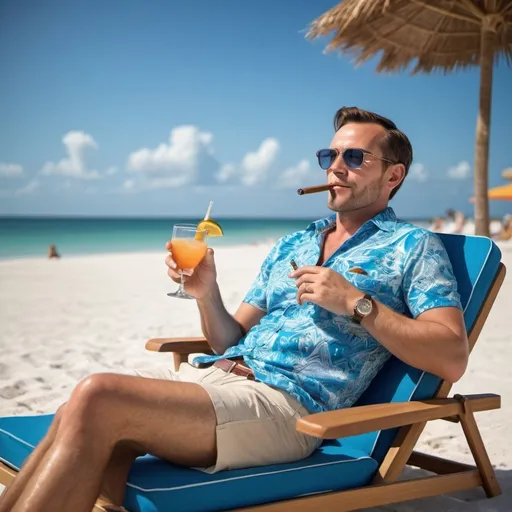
(257, 294)
(428, 280)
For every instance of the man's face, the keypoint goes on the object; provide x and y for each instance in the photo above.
(358, 188)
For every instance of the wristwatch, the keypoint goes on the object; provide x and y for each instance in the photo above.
(362, 309)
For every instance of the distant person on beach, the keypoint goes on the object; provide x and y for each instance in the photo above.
(437, 225)
(52, 252)
(309, 337)
(456, 222)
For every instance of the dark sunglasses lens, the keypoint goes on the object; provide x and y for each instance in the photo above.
(326, 158)
(353, 158)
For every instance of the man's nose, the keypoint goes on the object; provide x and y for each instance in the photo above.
(338, 166)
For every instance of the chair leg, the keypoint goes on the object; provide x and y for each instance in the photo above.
(178, 359)
(476, 445)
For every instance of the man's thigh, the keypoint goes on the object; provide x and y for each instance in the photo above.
(170, 419)
(255, 423)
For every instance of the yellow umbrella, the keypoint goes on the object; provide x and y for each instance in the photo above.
(504, 192)
(430, 34)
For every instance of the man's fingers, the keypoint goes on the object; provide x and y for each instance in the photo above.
(308, 269)
(168, 245)
(306, 278)
(175, 276)
(305, 293)
(170, 262)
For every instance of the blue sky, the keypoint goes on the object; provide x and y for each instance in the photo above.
(152, 108)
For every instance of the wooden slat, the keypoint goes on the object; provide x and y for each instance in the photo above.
(180, 345)
(100, 505)
(370, 418)
(376, 495)
(407, 437)
(452, 419)
(437, 464)
(6, 474)
(476, 445)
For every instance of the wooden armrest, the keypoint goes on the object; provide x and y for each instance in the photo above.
(369, 418)
(179, 345)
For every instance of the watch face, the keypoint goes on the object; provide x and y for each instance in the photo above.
(364, 307)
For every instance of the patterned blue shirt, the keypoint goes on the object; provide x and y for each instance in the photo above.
(325, 360)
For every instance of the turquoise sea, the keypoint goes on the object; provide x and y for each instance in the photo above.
(30, 236)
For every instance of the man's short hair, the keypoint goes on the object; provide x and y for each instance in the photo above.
(395, 145)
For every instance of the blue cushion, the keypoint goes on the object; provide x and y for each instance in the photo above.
(155, 485)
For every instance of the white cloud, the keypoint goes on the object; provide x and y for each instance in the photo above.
(188, 158)
(461, 171)
(174, 163)
(226, 172)
(256, 164)
(28, 189)
(418, 172)
(74, 165)
(296, 176)
(10, 170)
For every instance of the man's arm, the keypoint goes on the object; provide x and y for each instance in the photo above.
(435, 341)
(220, 328)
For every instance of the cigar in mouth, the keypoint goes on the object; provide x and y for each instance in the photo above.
(313, 190)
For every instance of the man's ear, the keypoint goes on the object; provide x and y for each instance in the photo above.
(396, 175)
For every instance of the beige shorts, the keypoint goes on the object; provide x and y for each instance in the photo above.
(255, 422)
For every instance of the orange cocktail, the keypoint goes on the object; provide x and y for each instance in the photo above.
(187, 252)
(188, 247)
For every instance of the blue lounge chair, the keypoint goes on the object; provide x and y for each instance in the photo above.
(366, 447)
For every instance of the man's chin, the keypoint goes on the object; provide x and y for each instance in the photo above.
(339, 206)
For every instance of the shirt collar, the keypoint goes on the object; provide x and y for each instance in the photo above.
(384, 220)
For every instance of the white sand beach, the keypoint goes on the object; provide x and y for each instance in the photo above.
(64, 319)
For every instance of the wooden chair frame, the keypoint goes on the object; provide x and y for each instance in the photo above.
(451, 476)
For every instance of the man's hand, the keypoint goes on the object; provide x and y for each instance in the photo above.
(198, 282)
(326, 288)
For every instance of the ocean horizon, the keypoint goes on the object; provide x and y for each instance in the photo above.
(24, 236)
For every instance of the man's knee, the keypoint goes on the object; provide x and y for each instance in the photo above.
(91, 395)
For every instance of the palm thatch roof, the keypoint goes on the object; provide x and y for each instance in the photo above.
(507, 174)
(430, 34)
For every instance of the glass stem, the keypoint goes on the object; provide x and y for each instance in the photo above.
(182, 281)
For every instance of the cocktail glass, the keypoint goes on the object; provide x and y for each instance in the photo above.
(188, 247)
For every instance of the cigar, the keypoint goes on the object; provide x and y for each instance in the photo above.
(294, 265)
(313, 190)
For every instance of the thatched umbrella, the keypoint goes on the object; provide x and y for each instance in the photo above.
(507, 174)
(430, 34)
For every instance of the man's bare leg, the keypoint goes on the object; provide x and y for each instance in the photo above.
(12, 493)
(172, 420)
(113, 485)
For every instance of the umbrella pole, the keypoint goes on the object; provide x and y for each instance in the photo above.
(483, 126)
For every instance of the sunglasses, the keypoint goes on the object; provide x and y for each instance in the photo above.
(353, 157)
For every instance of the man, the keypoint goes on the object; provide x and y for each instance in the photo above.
(367, 286)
